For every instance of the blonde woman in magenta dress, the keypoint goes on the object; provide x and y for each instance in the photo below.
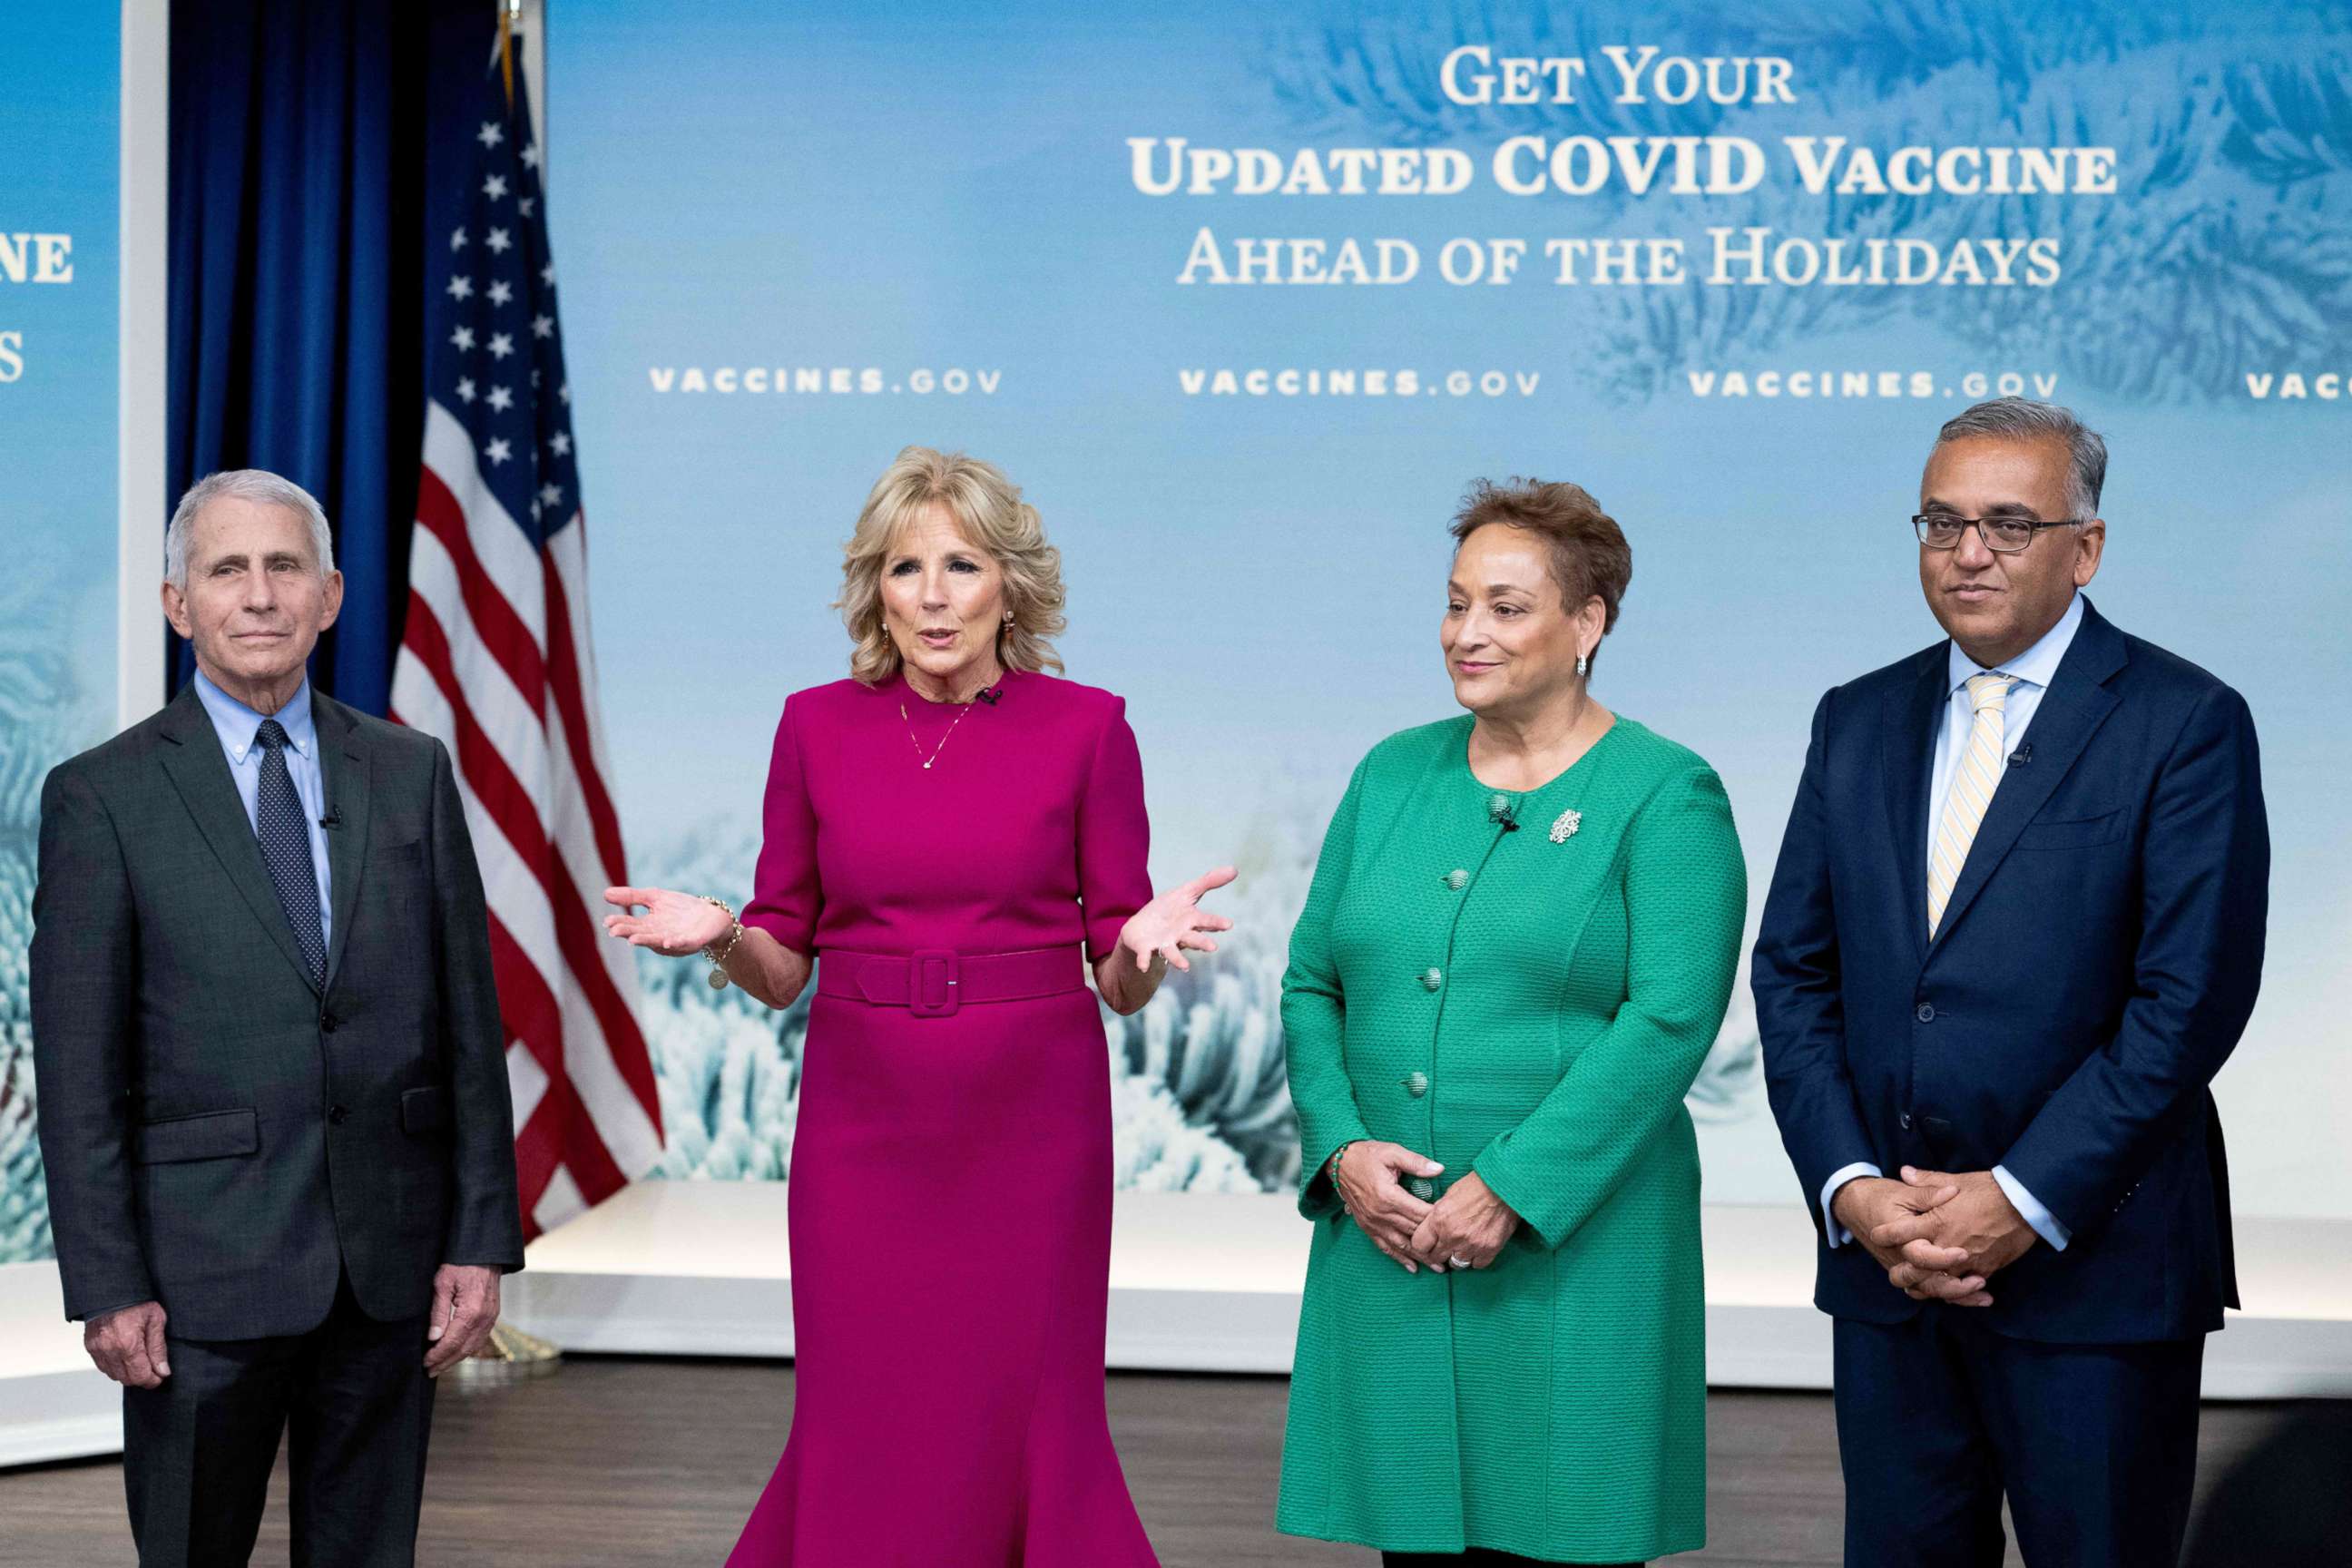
(952, 840)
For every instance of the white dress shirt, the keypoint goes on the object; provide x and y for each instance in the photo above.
(237, 726)
(2032, 671)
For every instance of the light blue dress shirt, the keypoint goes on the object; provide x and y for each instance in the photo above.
(2033, 670)
(238, 725)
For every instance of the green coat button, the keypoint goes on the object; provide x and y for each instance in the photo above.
(1423, 1188)
(1431, 979)
(1457, 879)
(1416, 1084)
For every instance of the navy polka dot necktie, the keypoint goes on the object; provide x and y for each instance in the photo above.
(285, 834)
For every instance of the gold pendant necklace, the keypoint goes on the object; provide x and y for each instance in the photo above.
(967, 707)
(943, 739)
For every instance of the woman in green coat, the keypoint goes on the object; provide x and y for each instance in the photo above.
(1514, 956)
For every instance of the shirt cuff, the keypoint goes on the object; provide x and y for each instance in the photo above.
(2045, 1224)
(1833, 1233)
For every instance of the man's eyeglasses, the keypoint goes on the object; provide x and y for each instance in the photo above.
(2004, 535)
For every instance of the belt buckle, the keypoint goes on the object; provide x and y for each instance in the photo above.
(932, 976)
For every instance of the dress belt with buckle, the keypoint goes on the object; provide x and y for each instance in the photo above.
(934, 982)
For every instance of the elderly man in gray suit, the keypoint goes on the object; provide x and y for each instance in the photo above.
(274, 1106)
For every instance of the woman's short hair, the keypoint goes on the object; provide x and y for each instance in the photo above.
(1587, 550)
(990, 514)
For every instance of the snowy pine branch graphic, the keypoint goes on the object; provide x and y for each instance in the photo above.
(2222, 248)
(2290, 122)
(43, 718)
(1200, 1096)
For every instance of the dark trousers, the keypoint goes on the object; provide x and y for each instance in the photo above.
(2095, 1445)
(1477, 1557)
(198, 1452)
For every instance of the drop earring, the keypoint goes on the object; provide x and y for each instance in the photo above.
(1582, 664)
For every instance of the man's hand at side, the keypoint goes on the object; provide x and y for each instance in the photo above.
(127, 1344)
(1925, 1272)
(464, 1310)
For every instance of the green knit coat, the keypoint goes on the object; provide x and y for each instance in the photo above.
(1531, 1004)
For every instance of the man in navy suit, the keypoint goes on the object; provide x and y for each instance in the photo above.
(2015, 930)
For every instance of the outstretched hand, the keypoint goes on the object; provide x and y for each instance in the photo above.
(676, 924)
(1174, 922)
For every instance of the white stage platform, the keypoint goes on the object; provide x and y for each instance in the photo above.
(53, 1403)
(1210, 1283)
(1199, 1283)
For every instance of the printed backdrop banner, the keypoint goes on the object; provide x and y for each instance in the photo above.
(60, 151)
(1245, 297)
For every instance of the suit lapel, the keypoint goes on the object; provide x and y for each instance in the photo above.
(199, 771)
(1909, 736)
(2072, 710)
(346, 769)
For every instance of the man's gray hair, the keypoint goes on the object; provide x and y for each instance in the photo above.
(258, 486)
(2021, 418)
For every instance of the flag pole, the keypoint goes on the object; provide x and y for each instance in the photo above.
(511, 1355)
(509, 11)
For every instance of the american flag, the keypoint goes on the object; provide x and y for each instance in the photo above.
(495, 660)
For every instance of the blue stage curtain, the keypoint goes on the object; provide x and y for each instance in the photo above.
(297, 271)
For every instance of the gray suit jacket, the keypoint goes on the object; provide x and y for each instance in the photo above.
(220, 1134)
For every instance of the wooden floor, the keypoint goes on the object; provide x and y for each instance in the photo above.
(627, 1461)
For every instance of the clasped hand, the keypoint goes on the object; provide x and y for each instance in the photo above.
(1465, 1229)
(1939, 1237)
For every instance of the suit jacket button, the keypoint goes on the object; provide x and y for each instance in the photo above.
(1416, 1084)
(1457, 879)
(1927, 1014)
(335, 1113)
(1431, 979)
(327, 1023)
(1904, 1121)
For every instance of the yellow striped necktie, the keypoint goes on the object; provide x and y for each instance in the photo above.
(1970, 796)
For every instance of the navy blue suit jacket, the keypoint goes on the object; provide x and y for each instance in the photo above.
(2095, 965)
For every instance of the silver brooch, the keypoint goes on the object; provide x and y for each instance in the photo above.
(1564, 825)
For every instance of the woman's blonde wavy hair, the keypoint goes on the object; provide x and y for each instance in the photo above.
(989, 511)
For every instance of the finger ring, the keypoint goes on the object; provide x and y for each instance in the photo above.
(1459, 1262)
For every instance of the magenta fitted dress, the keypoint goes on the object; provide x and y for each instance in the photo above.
(950, 1175)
